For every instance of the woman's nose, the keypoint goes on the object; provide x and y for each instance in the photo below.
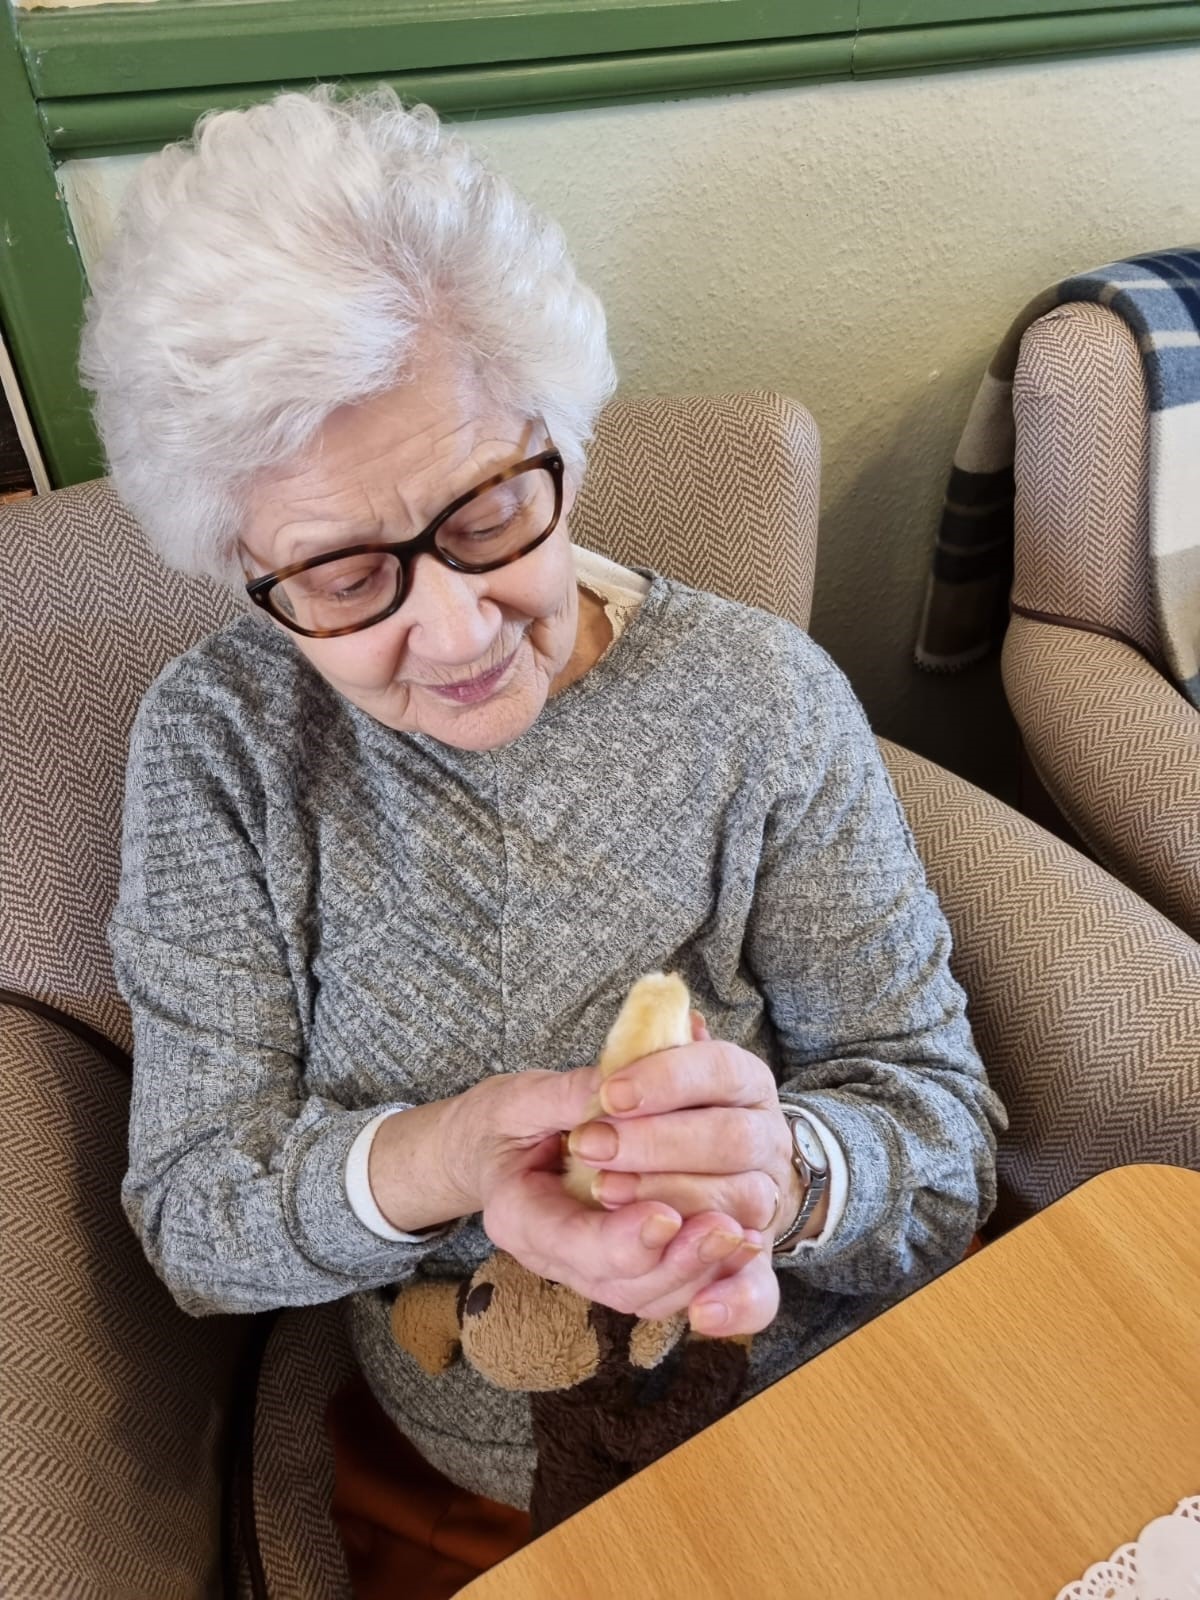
(449, 620)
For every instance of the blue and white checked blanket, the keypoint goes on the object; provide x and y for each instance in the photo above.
(966, 602)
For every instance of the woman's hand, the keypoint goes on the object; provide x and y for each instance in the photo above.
(700, 1129)
(643, 1258)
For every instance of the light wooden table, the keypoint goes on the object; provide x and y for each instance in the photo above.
(988, 1439)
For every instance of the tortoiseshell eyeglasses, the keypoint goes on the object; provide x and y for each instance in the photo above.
(495, 523)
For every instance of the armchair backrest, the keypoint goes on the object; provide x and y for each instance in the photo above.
(1082, 512)
(720, 492)
(89, 618)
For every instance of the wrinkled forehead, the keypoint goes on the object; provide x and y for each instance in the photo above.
(381, 469)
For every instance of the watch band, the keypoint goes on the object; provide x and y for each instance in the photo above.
(813, 1172)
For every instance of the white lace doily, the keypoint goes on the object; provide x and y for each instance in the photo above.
(1163, 1563)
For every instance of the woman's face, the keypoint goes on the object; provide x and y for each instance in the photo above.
(468, 659)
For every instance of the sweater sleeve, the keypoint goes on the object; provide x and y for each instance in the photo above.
(851, 950)
(236, 1181)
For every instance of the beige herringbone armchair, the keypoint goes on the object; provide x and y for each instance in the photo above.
(1112, 741)
(144, 1452)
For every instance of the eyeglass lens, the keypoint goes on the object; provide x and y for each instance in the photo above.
(493, 527)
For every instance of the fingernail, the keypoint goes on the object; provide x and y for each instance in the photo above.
(710, 1317)
(658, 1231)
(615, 1188)
(620, 1096)
(716, 1246)
(595, 1141)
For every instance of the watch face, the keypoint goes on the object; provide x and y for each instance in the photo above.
(809, 1144)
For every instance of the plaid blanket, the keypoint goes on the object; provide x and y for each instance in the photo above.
(966, 602)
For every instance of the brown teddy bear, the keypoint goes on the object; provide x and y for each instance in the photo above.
(609, 1392)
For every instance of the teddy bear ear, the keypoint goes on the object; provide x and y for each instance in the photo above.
(425, 1323)
(652, 1342)
(523, 1332)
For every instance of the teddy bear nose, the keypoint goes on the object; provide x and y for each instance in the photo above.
(479, 1299)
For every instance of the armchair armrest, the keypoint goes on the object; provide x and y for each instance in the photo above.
(1118, 750)
(113, 1400)
(1085, 1001)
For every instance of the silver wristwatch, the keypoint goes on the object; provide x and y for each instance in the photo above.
(812, 1168)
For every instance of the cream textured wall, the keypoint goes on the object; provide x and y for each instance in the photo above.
(862, 246)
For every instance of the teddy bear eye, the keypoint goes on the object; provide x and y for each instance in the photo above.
(479, 1299)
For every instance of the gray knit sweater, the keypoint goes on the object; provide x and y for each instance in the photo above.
(320, 917)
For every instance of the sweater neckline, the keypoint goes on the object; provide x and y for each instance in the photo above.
(619, 656)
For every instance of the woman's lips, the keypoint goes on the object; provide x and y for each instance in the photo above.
(476, 689)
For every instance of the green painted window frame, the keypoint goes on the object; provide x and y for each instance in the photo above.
(88, 82)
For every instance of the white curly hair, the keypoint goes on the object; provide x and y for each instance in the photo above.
(283, 262)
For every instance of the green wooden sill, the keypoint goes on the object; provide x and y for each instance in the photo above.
(127, 78)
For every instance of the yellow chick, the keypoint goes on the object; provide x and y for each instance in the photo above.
(656, 1015)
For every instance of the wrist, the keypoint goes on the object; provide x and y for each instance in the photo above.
(411, 1181)
(791, 1198)
(459, 1150)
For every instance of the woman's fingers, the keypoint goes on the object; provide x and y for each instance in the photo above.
(744, 1302)
(751, 1198)
(704, 1249)
(716, 1139)
(534, 1218)
(531, 1214)
(644, 1259)
(531, 1104)
(708, 1072)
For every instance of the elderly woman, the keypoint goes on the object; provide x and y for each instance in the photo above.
(399, 839)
